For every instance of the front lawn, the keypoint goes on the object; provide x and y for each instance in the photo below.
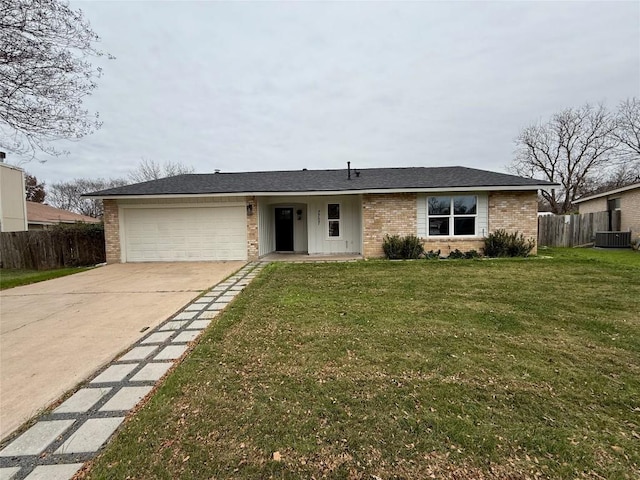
(10, 277)
(465, 369)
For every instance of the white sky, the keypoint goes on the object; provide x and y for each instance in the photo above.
(286, 85)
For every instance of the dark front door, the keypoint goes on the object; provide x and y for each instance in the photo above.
(284, 229)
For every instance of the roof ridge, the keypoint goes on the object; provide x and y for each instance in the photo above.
(324, 170)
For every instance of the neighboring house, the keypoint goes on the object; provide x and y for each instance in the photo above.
(41, 216)
(238, 216)
(13, 209)
(625, 200)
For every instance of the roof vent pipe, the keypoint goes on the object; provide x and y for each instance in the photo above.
(348, 170)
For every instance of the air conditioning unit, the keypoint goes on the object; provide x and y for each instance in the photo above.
(613, 239)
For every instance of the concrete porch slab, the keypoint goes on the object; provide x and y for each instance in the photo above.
(303, 257)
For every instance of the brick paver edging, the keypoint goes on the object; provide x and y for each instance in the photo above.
(58, 444)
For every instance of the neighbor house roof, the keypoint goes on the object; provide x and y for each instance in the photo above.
(41, 214)
(608, 193)
(369, 180)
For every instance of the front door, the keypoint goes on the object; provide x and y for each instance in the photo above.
(284, 229)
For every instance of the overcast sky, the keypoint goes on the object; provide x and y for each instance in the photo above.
(287, 85)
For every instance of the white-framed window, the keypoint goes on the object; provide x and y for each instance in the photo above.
(334, 221)
(452, 215)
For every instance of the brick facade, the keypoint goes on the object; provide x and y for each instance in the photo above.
(593, 206)
(630, 212)
(386, 214)
(514, 212)
(446, 246)
(629, 209)
(112, 231)
(252, 229)
(396, 214)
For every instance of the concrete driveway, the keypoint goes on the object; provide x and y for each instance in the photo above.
(54, 334)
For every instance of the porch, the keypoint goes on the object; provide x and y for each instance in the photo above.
(304, 226)
(303, 257)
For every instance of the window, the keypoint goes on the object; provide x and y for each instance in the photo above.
(613, 204)
(333, 217)
(449, 215)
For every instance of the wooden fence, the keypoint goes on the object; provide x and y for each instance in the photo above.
(571, 230)
(70, 246)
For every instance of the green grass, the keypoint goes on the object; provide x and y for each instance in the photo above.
(625, 256)
(10, 278)
(453, 369)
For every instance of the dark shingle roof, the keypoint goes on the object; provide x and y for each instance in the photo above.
(323, 181)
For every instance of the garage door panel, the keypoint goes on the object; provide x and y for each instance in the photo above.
(175, 234)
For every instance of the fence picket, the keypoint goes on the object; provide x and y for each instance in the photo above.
(571, 230)
(55, 248)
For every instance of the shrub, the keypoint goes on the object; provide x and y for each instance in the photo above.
(459, 255)
(392, 246)
(503, 244)
(396, 247)
(456, 254)
(412, 247)
(432, 255)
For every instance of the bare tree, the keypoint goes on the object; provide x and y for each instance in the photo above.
(68, 195)
(570, 149)
(627, 130)
(44, 75)
(34, 190)
(625, 173)
(151, 170)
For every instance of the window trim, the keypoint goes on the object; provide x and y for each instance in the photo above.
(339, 220)
(452, 216)
(616, 199)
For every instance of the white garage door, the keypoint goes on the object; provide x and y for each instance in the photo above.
(185, 234)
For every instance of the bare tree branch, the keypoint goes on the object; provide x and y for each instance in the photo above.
(45, 75)
(68, 195)
(151, 170)
(569, 149)
(627, 130)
